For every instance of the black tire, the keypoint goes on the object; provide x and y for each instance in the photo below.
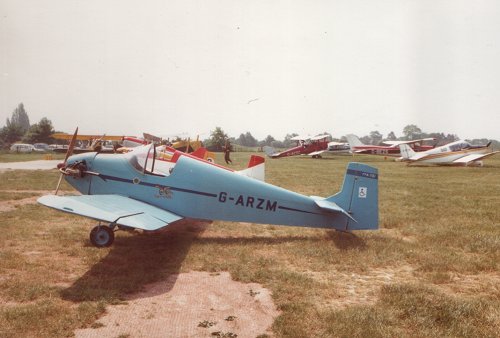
(102, 236)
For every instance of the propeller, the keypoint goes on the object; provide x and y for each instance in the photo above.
(68, 154)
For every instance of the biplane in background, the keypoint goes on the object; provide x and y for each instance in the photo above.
(104, 143)
(132, 190)
(391, 148)
(455, 153)
(306, 145)
(186, 145)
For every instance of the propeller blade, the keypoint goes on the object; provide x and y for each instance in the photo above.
(71, 145)
(58, 184)
(68, 154)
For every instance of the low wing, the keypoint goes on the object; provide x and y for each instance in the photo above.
(473, 157)
(113, 209)
(397, 143)
(317, 152)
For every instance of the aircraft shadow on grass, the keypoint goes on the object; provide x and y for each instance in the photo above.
(136, 261)
(342, 240)
(141, 259)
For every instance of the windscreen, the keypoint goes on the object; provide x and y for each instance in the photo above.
(149, 160)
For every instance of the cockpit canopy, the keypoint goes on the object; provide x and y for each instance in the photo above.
(459, 146)
(152, 160)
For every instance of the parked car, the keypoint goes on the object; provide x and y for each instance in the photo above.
(41, 147)
(21, 148)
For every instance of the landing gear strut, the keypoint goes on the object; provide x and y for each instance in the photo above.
(102, 236)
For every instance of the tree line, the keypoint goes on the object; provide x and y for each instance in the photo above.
(218, 138)
(19, 129)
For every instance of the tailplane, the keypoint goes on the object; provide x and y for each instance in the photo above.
(358, 199)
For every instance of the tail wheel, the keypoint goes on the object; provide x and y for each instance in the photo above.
(209, 159)
(102, 236)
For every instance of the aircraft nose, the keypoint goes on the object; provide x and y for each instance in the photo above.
(61, 165)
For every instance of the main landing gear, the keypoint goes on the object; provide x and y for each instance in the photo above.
(102, 236)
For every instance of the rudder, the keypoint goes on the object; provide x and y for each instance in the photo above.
(359, 196)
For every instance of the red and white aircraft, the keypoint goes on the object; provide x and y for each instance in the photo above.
(306, 145)
(390, 149)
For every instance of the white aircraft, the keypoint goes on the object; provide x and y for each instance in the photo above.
(455, 153)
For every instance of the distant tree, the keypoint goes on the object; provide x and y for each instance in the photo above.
(11, 133)
(20, 118)
(412, 132)
(241, 140)
(375, 137)
(451, 138)
(366, 139)
(391, 136)
(217, 139)
(246, 140)
(269, 140)
(287, 142)
(277, 144)
(40, 132)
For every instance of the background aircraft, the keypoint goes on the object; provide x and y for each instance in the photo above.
(130, 191)
(89, 142)
(306, 145)
(391, 149)
(334, 148)
(186, 145)
(455, 153)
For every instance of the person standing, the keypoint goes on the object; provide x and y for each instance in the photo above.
(227, 152)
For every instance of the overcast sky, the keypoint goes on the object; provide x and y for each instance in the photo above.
(268, 67)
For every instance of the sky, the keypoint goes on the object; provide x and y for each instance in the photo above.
(267, 67)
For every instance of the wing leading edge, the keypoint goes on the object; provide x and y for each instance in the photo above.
(113, 209)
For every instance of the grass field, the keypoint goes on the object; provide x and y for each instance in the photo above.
(7, 156)
(432, 270)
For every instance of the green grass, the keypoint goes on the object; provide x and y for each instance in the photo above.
(432, 270)
(7, 156)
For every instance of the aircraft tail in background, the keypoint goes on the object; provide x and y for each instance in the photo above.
(354, 141)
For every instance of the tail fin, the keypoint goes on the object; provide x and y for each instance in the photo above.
(200, 153)
(406, 151)
(256, 168)
(359, 197)
(268, 150)
(354, 141)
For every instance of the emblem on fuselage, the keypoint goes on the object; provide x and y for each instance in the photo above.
(164, 192)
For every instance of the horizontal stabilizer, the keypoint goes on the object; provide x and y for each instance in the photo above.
(113, 209)
(333, 207)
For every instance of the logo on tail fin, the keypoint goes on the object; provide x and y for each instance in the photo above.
(363, 191)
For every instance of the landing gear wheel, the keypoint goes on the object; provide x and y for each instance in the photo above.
(102, 236)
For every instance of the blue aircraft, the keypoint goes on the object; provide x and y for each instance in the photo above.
(135, 190)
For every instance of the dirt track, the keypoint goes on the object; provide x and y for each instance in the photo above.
(195, 304)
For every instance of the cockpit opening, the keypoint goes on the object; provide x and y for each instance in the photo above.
(152, 160)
